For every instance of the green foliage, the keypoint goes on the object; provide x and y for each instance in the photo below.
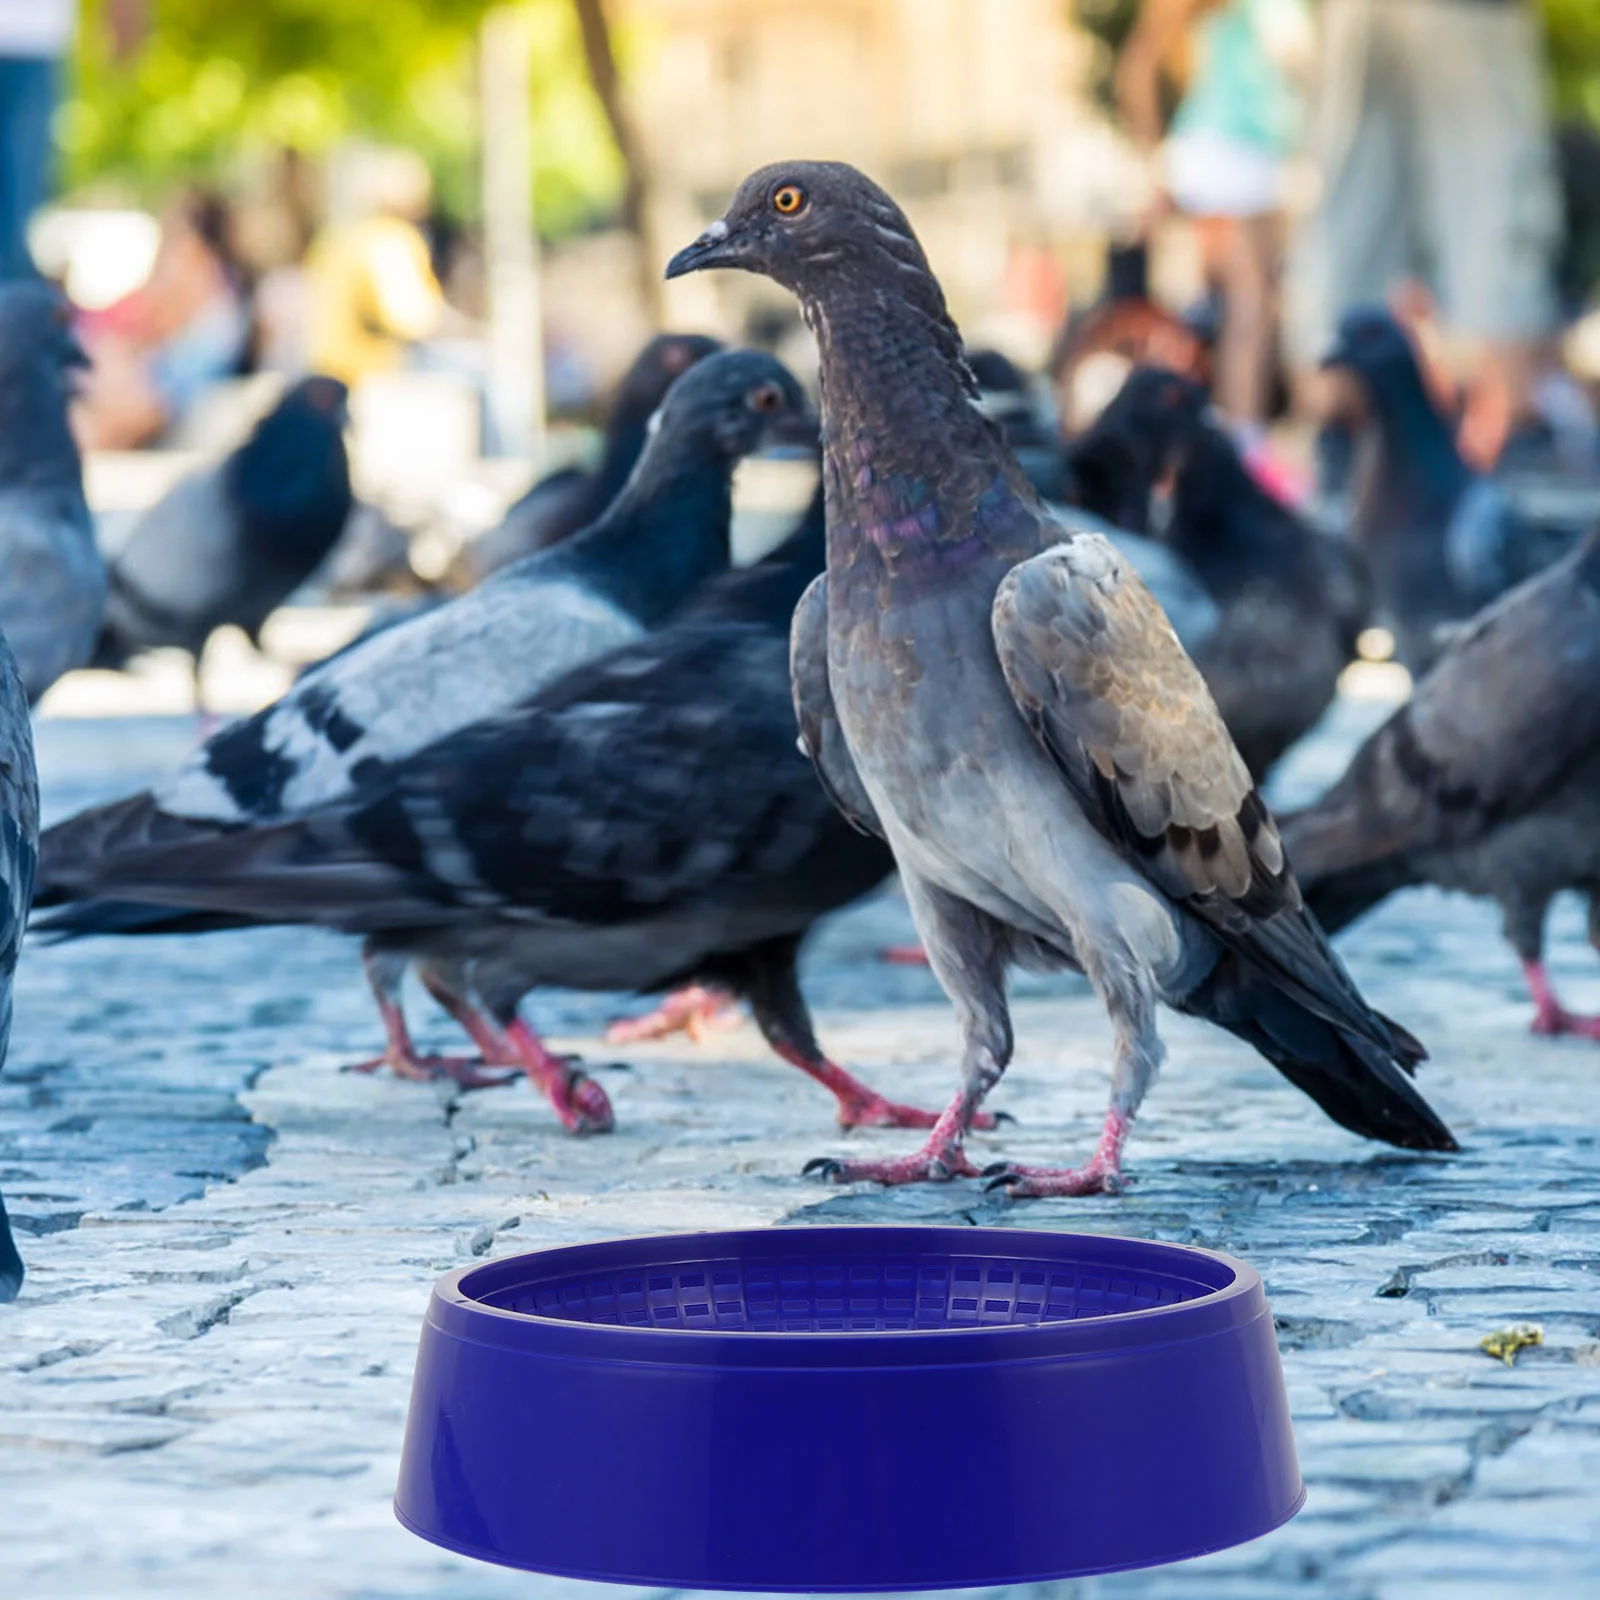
(216, 79)
(1572, 32)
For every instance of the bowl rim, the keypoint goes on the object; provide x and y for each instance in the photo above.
(455, 1311)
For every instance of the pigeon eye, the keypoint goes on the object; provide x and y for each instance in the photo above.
(767, 398)
(789, 200)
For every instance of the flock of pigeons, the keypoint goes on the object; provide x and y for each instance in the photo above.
(1048, 715)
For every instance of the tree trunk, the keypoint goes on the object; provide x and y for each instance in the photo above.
(637, 215)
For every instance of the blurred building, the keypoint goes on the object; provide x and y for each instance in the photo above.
(977, 116)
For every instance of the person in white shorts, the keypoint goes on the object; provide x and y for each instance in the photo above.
(1436, 163)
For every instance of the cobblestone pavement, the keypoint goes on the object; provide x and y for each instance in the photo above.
(230, 1242)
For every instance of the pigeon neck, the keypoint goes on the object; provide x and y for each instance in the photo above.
(908, 452)
(624, 444)
(666, 533)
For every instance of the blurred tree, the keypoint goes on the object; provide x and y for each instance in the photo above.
(212, 80)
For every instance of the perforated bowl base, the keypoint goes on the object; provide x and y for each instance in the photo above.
(847, 1294)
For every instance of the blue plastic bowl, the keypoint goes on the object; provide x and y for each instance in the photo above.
(848, 1409)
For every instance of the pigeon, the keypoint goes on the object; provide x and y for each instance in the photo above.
(19, 844)
(1130, 451)
(1009, 398)
(1272, 663)
(52, 580)
(1004, 702)
(1486, 781)
(493, 648)
(231, 542)
(569, 499)
(1441, 539)
(644, 822)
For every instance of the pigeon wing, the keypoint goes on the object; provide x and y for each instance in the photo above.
(1102, 681)
(1508, 711)
(820, 734)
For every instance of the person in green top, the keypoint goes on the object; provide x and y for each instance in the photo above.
(1224, 158)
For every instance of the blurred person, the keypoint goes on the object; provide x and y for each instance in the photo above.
(1224, 162)
(1429, 129)
(370, 287)
(157, 350)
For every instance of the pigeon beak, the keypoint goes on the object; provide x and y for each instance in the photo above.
(718, 246)
(1336, 357)
(795, 433)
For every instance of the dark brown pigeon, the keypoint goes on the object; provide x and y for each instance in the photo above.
(1003, 700)
(566, 501)
(1486, 781)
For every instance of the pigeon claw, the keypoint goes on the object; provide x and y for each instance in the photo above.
(427, 1069)
(824, 1167)
(926, 1166)
(1042, 1183)
(581, 1103)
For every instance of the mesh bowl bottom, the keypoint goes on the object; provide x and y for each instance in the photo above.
(848, 1294)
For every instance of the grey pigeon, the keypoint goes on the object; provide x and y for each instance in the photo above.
(1005, 702)
(568, 500)
(1441, 540)
(231, 542)
(1486, 781)
(52, 580)
(645, 821)
(484, 653)
(19, 842)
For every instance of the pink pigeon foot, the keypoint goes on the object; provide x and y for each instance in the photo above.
(863, 1107)
(939, 1160)
(1550, 1018)
(1101, 1174)
(423, 1069)
(401, 1058)
(696, 1011)
(574, 1096)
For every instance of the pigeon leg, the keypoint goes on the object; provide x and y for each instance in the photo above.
(966, 952)
(785, 1022)
(574, 1096)
(696, 1011)
(1550, 1017)
(1137, 1060)
(385, 969)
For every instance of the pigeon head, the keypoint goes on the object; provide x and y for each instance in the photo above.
(805, 225)
(290, 480)
(36, 337)
(39, 356)
(319, 398)
(731, 405)
(1161, 408)
(655, 369)
(1140, 438)
(1372, 345)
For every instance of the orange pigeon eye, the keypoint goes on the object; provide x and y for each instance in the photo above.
(789, 200)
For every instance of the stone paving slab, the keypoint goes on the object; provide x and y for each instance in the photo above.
(231, 1242)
